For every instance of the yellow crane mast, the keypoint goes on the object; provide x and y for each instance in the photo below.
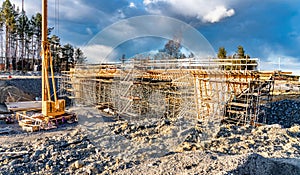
(50, 108)
(53, 111)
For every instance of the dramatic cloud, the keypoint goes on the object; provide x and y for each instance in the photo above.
(206, 11)
(142, 27)
(266, 29)
(78, 20)
(217, 14)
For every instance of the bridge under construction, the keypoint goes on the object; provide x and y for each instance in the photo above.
(199, 89)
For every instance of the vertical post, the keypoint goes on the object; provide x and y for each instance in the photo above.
(44, 45)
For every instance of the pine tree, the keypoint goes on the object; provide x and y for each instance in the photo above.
(79, 56)
(222, 53)
(8, 14)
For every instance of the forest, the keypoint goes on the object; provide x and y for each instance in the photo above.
(20, 43)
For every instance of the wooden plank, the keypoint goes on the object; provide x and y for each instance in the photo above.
(238, 104)
(236, 112)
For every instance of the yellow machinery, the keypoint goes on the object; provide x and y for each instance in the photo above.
(50, 108)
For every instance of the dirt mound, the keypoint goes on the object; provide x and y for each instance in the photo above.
(12, 94)
(284, 112)
(256, 164)
(269, 141)
(212, 163)
(20, 88)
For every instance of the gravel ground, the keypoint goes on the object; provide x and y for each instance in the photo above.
(101, 145)
(199, 162)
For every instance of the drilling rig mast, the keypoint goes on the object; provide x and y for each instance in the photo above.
(50, 108)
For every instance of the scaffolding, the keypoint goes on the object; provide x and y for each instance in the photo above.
(195, 88)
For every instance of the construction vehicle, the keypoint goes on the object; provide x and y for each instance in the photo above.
(49, 108)
(53, 111)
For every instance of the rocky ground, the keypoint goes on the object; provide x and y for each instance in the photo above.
(101, 145)
(284, 112)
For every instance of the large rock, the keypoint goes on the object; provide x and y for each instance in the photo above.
(78, 164)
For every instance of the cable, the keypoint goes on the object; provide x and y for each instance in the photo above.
(56, 17)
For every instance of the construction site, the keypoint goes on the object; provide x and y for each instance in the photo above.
(140, 116)
(149, 115)
(200, 89)
(141, 88)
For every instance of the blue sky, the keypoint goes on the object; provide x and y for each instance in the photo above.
(269, 29)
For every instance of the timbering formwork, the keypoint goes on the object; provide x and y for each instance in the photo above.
(145, 91)
(235, 96)
(251, 91)
(169, 88)
(89, 85)
(211, 93)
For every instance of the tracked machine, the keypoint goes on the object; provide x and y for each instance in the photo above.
(53, 111)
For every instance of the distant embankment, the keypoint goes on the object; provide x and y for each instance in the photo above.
(21, 88)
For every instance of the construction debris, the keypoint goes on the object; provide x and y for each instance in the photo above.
(142, 148)
(285, 112)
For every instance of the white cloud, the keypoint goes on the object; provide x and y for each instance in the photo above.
(132, 5)
(69, 10)
(64, 7)
(147, 2)
(217, 14)
(97, 53)
(70, 13)
(30, 7)
(77, 11)
(206, 11)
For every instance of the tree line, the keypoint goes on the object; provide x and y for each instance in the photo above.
(239, 60)
(20, 42)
